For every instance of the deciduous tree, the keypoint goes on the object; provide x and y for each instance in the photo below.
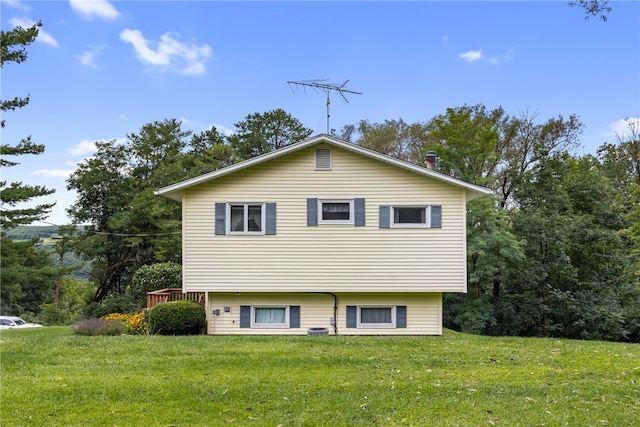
(129, 226)
(394, 138)
(593, 8)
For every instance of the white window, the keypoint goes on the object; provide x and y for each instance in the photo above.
(377, 316)
(411, 216)
(335, 211)
(245, 218)
(269, 316)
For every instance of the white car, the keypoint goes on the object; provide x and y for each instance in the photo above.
(12, 322)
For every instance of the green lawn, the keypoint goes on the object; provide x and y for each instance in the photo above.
(51, 377)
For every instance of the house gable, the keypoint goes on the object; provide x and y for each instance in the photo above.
(175, 191)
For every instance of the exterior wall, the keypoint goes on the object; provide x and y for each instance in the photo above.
(324, 258)
(424, 312)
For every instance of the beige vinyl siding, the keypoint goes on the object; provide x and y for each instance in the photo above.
(424, 311)
(316, 311)
(331, 258)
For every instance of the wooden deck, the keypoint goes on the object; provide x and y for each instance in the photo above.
(174, 294)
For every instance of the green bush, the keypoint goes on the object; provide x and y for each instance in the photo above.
(177, 318)
(98, 327)
(52, 315)
(155, 276)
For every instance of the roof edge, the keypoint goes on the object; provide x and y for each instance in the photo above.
(174, 191)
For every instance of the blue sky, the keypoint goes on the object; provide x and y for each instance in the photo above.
(101, 70)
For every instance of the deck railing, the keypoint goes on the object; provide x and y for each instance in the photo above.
(165, 295)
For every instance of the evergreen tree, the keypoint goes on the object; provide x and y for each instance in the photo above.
(27, 277)
(13, 49)
(262, 133)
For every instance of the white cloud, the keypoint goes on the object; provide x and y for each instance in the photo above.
(84, 147)
(54, 173)
(478, 55)
(94, 8)
(622, 128)
(43, 36)
(223, 130)
(170, 54)
(471, 55)
(17, 5)
(87, 58)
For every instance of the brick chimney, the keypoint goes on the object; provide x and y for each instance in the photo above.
(431, 160)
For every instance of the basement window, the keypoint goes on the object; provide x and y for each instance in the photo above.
(270, 317)
(376, 317)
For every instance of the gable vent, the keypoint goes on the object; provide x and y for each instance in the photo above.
(323, 158)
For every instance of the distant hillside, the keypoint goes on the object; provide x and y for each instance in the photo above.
(28, 232)
(45, 237)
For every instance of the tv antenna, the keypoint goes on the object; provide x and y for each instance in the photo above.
(326, 87)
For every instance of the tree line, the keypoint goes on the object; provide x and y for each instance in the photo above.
(554, 252)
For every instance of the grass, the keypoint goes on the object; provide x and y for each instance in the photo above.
(51, 377)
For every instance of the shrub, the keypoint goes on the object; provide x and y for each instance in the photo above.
(52, 315)
(133, 323)
(177, 318)
(155, 276)
(95, 326)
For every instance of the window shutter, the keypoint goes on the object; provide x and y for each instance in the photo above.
(401, 316)
(436, 216)
(245, 316)
(294, 316)
(385, 217)
(312, 211)
(221, 220)
(352, 316)
(270, 218)
(359, 214)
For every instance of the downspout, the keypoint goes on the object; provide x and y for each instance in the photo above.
(335, 309)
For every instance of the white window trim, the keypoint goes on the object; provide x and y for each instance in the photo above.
(351, 219)
(427, 223)
(391, 325)
(270, 325)
(246, 207)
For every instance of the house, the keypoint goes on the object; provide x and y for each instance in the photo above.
(324, 236)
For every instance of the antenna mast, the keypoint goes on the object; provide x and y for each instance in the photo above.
(326, 87)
